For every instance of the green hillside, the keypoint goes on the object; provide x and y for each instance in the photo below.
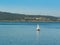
(6, 16)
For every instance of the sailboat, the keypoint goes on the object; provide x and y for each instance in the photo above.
(38, 28)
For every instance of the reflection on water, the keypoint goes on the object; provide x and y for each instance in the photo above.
(37, 34)
(38, 37)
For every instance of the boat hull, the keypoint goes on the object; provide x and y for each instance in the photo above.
(38, 29)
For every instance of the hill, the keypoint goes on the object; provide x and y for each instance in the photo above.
(6, 16)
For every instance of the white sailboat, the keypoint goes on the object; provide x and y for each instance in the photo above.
(38, 28)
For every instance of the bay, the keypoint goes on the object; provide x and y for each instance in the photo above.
(24, 33)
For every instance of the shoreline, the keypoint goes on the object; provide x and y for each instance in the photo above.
(30, 21)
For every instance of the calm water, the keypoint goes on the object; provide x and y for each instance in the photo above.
(24, 33)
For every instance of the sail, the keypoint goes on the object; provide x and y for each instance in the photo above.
(38, 27)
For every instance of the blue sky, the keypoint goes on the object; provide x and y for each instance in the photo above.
(39, 7)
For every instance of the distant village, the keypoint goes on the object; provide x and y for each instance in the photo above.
(13, 17)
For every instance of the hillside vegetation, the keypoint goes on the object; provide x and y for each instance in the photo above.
(14, 17)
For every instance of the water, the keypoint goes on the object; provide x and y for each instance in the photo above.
(24, 33)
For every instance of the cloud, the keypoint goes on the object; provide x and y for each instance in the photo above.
(30, 10)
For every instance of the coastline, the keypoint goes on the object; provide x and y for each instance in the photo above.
(26, 21)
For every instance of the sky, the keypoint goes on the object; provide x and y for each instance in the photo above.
(35, 7)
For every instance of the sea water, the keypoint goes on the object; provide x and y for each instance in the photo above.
(24, 33)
